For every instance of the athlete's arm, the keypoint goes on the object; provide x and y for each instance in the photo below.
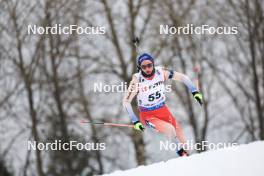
(170, 74)
(129, 95)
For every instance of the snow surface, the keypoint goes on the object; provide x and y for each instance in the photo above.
(242, 160)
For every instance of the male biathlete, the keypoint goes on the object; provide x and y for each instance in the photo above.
(148, 85)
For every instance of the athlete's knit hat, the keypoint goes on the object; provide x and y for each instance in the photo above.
(144, 57)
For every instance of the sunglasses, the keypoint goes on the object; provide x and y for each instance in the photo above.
(150, 65)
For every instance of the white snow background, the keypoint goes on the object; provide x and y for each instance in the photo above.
(242, 160)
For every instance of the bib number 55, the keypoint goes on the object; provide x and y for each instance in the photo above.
(154, 96)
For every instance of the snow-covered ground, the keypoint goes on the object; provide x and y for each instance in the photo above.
(243, 160)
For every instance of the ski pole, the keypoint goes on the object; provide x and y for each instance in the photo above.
(108, 124)
(196, 70)
(136, 43)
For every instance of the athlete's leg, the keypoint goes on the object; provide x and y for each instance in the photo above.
(165, 114)
(179, 133)
(151, 120)
(169, 127)
(161, 126)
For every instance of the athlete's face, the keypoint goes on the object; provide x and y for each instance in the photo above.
(147, 66)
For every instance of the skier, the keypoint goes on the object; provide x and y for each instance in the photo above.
(148, 85)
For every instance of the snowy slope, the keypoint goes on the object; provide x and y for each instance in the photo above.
(243, 160)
